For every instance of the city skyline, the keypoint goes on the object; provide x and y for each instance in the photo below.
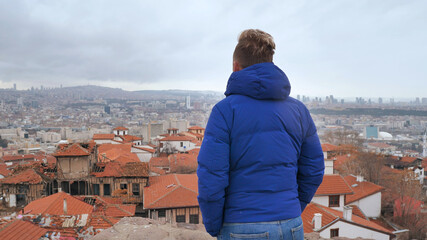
(347, 49)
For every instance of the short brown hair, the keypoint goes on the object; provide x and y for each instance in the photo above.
(254, 46)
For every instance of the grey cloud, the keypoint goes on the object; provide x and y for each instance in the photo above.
(177, 43)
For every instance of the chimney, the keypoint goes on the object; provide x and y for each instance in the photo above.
(317, 221)
(348, 211)
(359, 178)
(65, 206)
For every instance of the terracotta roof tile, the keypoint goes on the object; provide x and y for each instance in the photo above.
(21, 230)
(118, 169)
(120, 210)
(121, 128)
(196, 128)
(119, 155)
(181, 160)
(379, 145)
(74, 150)
(3, 170)
(130, 138)
(408, 159)
(159, 162)
(360, 189)
(171, 191)
(329, 215)
(333, 185)
(358, 212)
(29, 176)
(103, 136)
(327, 147)
(54, 205)
(150, 150)
(176, 138)
(8, 158)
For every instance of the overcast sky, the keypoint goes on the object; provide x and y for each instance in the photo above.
(344, 48)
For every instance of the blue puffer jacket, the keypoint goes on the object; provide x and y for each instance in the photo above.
(261, 159)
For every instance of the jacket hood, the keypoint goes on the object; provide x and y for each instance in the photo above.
(259, 81)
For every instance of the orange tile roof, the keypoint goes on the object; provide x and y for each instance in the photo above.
(121, 128)
(194, 151)
(54, 205)
(379, 145)
(157, 170)
(176, 138)
(118, 169)
(103, 136)
(159, 162)
(150, 150)
(179, 160)
(171, 191)
(119, 155)
(130, 138)
(330, 215)
(22, 230)
(196, 128)
(3, 170)
(107, 146)
(408, 159)
(362, 190)
(358, 212)
(120, 210)
(74, 150)
(327, 147)
(7, 158)
(29, 176)
(333, 185)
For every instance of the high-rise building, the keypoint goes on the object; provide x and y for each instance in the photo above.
(380, 101)
(187, 102)
(371, 132)
(14, 86)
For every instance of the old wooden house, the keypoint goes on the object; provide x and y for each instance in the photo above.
(117, 179)
(25, 186)
(74, 163)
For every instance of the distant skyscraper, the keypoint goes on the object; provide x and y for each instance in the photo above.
(391, 100)
(417, 100)
(299, 97)
(187, 102)
(107, 109)
(20, 101)
(380, 101)
(14, 86)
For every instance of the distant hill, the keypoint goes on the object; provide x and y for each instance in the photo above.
(92, 91)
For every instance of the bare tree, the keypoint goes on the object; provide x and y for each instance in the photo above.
(406, 194)
(343, 137)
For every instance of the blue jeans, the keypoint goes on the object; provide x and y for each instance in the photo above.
(286, 229)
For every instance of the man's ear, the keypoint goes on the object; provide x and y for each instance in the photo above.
(236, 66)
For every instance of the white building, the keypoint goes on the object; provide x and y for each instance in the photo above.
(331, 223)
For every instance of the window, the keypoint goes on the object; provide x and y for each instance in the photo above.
(194, 215)
(334, 201)
(123, 186)
(135, 189)
(180, 215)
(335, 232)
(95, 189)
(182, 144)
(162, 213)
(107, 190)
